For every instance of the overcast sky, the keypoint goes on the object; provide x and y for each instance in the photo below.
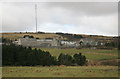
(96, 18)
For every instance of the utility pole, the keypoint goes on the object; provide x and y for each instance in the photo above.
(36, 16)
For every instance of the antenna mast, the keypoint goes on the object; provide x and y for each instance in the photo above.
(36, 16)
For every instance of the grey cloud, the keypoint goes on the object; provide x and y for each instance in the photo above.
(89, 8)
(73, 17)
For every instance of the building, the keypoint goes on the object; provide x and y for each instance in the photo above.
(70, 43)
(88, 41)
(55, 42)
(48, 42)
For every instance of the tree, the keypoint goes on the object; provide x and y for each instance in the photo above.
(17, 55)
(80, 59)
(65, 59)
(112, 44)
(31, 36)
(107, 44)
(37, 38)
(24, 56)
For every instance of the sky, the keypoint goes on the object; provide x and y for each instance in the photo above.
(92, 18)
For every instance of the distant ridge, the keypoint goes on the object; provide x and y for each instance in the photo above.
(60, 35)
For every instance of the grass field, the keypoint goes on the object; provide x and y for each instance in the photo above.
(91, 54)
(68, 71)
(61, 71)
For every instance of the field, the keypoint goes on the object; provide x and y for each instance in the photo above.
(91, 54)
(13, 36)
(94, 56)
(61, 71)
(69, 71)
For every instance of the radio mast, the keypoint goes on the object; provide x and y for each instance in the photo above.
(36, 16)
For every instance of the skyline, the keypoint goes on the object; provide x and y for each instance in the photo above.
(98, 18)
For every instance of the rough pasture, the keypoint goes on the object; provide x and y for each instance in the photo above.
(14, 36)
(58, 71)
(91, 54)
(94, 56)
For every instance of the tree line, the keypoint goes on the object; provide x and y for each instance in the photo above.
(17, 55)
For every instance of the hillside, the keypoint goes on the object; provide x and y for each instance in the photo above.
(14, 36)
(61, 36)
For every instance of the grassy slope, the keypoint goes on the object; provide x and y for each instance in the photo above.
(14, 36)
(91, 54)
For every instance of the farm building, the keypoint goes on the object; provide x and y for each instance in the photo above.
(39, 42)
(54, 42)
(88, 41)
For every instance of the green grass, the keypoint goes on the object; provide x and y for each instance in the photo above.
(91, 54)
(57, 71)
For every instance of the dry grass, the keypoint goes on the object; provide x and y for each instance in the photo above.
(14, 36)
(58, 71)
(112, 62)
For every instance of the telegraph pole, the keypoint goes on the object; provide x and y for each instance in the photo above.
(36, 16)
